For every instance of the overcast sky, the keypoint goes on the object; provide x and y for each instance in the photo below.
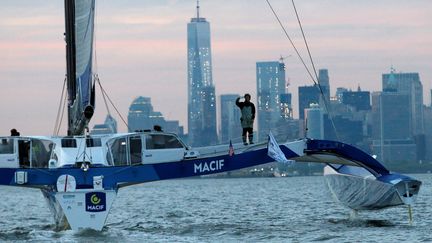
(141, 50)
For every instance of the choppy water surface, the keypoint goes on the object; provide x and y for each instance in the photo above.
(296, 209)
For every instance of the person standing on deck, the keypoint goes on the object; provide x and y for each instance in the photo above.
(247, 117)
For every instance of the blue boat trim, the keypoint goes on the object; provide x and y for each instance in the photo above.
(117, 176)
(348, 152)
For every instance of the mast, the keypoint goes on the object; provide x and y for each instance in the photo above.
(79, 29)
(197, 10)
(70, 56)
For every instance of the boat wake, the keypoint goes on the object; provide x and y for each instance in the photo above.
(366, 223)
(89, 233)
(16, 234)
(24, 233)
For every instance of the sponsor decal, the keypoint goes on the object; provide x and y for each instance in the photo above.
(95, 202)
(214, 165)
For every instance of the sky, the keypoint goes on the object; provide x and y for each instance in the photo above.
(141, 51)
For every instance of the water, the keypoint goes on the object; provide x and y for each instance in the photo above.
(296, 209)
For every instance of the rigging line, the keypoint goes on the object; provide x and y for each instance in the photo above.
(59, 108)
(103, 96)
(96, 75)
(115, 108)
(56, 125)
(79, 150)
(292, 43)
(62, 114)
(305, 41)
(326, 106)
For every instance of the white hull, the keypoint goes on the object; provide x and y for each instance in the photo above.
(71, 209)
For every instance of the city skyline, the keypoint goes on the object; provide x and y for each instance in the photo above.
(141, 49)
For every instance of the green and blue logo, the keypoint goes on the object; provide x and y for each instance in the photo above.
(95, 202)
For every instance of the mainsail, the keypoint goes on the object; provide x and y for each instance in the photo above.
(79, 18)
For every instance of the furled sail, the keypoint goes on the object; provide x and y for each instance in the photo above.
(79, 22)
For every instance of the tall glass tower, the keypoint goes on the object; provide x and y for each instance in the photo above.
(324, 81)
(306, 96)
(270, 78)
(410, 84)
(201, 91)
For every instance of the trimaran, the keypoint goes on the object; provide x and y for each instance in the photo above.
(80, 175)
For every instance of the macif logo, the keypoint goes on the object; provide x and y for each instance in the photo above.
(95, 201)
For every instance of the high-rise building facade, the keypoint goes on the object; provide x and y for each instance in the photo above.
(314, 122)
(230, 126)
(349, 130)
(428, 131)
(409, 84)
(286, 106)
(141, 115)
(201, 91)
(392, 127)
(357, 99)
(339, 93)
(324, 82)
(307, 95)
(391, 119)
(173, 126)
(108, 127)
(270, 85)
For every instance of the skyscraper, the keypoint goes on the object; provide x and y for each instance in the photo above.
(409, 84)
(391, 118)
(392, 127)
(324, 82)
(142, 116)
(286, 106)
(357, 99)
(307, 95)
(428, 132)
(174, 127)
(349, 130)
(108, 127)
(230, 127)
(270, 85)
(314, 122)
(339, 93)
(201, 91)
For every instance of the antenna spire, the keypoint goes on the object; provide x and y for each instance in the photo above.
(197, 9)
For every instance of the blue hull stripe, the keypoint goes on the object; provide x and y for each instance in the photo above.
(122, 175)
(115, 176)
